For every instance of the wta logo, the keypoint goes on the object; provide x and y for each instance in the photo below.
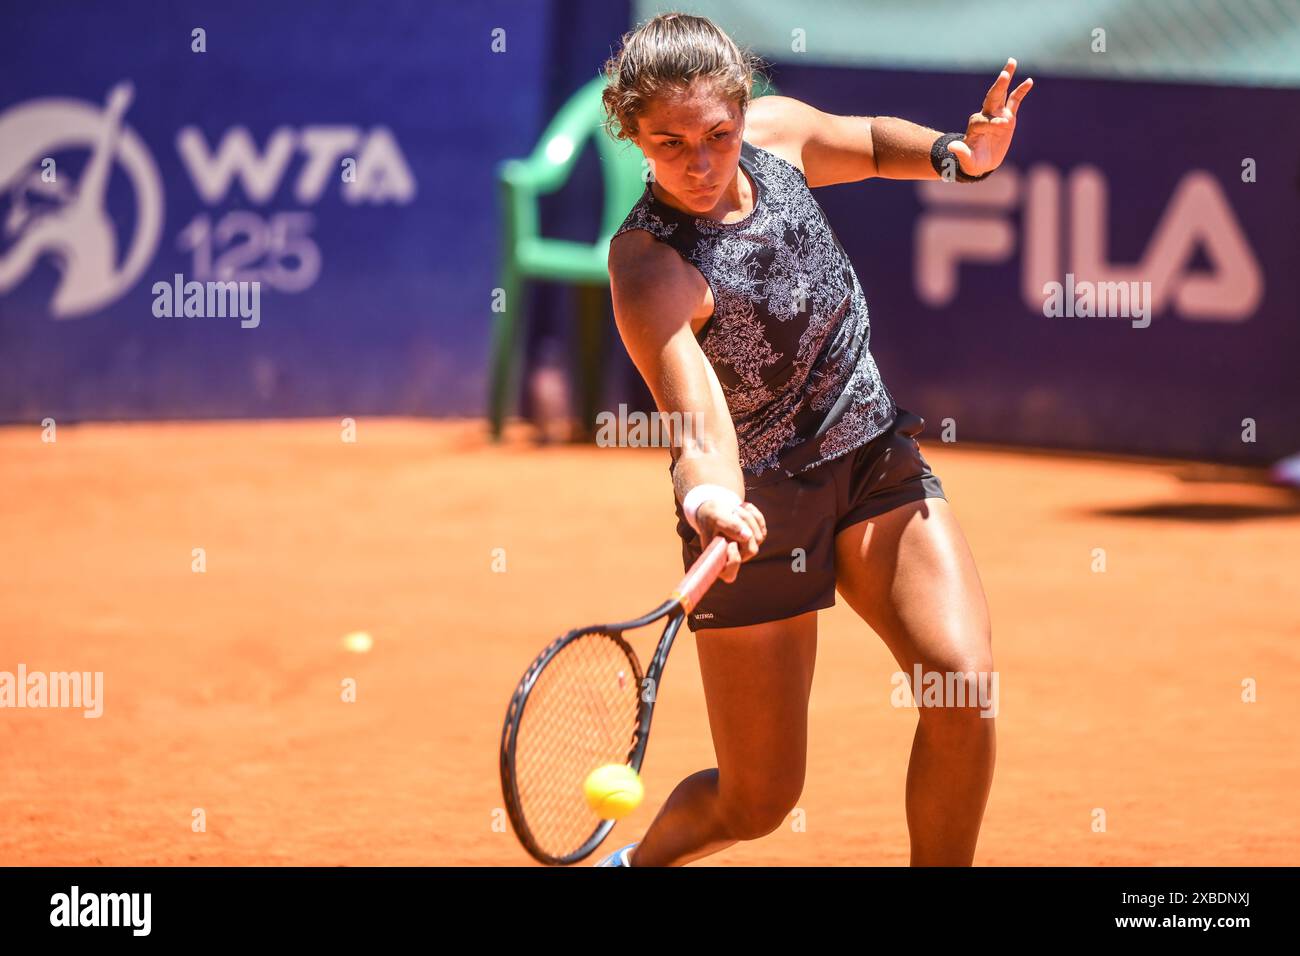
(51, 216)
(241, 232)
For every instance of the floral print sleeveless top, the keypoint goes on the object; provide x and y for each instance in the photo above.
(789, 335)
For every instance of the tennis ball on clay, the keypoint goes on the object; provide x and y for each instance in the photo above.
(613, 791)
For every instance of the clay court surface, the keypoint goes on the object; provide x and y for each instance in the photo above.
(1118, 690)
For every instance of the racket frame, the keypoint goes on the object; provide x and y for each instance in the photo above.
(699, 578)
(641, 735)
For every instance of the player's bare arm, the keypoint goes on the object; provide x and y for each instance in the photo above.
(834, 149)
(657, 297)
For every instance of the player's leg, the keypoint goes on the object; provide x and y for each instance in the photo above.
(756, 684)
(910, 575)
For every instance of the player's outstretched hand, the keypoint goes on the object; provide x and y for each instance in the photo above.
(988, 132)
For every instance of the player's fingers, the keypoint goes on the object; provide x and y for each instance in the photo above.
(997, 94)
(1020, 92)
(741, 527)
(758, 516)
(960, 149)
(722, 519)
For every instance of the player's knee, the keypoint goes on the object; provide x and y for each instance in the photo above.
(958, 694)
(759, 816)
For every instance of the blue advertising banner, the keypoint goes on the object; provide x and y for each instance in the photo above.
(261, 210)
(341, 156)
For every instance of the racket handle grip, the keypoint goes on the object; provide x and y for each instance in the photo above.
(702, 574)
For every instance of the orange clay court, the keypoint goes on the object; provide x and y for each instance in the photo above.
(1119, 690)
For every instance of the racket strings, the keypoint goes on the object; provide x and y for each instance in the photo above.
(581, 714)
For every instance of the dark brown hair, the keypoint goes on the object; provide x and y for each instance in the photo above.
(668, 52)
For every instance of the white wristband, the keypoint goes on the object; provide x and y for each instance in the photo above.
(702, 493)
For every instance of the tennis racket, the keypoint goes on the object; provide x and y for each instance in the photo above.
(582, 704)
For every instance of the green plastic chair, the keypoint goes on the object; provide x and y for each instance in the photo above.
(525, 254)
(528, 255)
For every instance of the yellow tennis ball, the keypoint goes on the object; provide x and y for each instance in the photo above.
(613, 791)
(358, 642)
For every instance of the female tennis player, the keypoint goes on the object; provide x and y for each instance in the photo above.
(743, 313)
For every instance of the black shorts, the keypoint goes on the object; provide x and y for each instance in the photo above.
(806, 512)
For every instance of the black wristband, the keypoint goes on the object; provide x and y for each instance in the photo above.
(939, 153)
